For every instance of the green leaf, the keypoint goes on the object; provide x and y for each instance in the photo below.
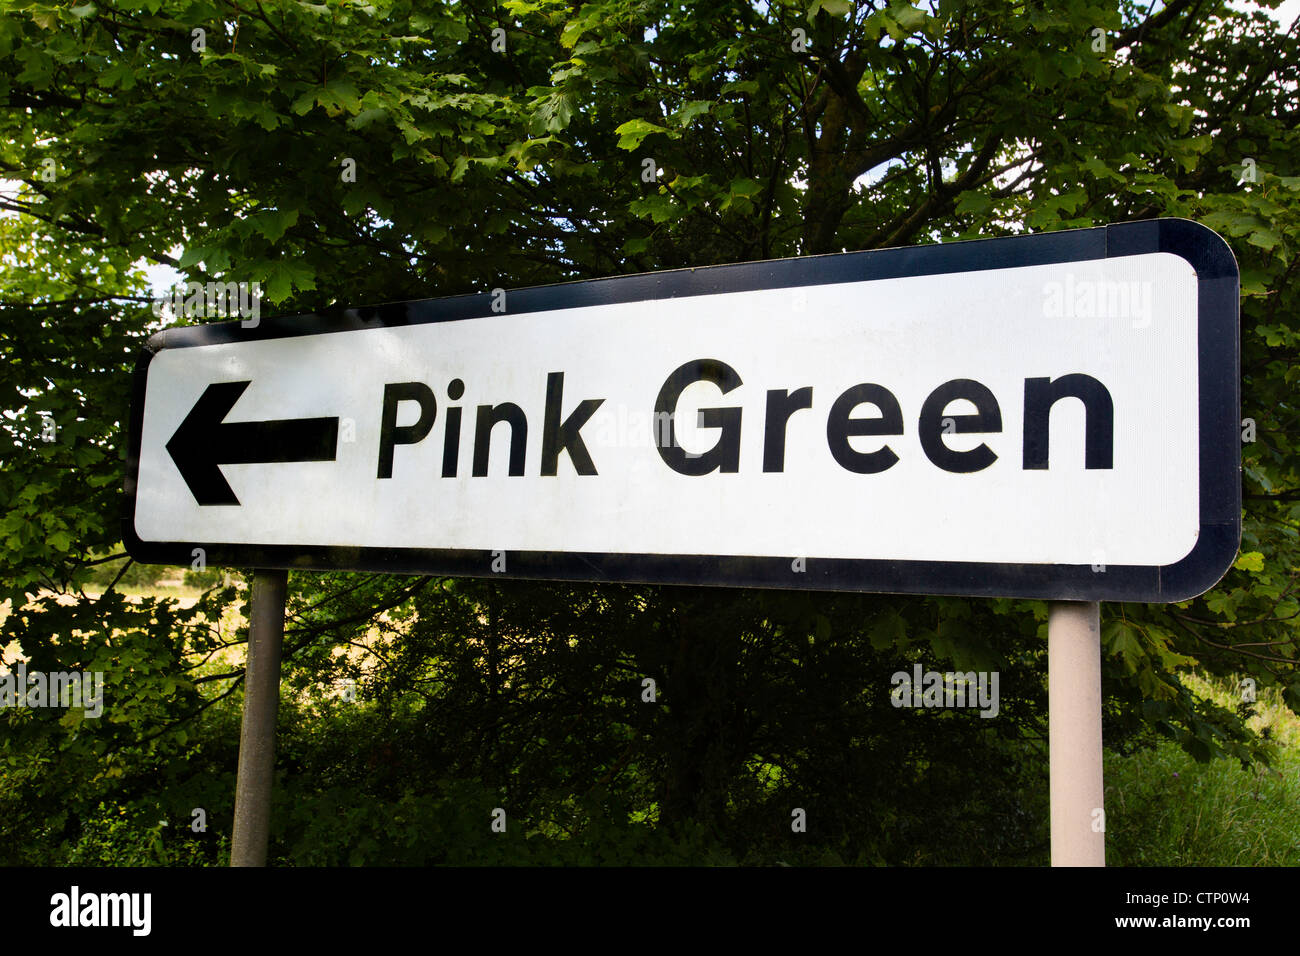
(740, 86)
(554, 114)
(908, 17)
(283, 277)
(972, 202)
(591, 15)
(339, 96)
(1120, 639)
(1100, 170)
(274, 222)
(890, 631)
(367, 118)
(634, 131)
(1292, 696)
(690, 110)
(192, 256)
(658, 206)
(1250, 561)
(836, 8)
(682, 184)
(1265, 239)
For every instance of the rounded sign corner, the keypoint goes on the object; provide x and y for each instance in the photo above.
(1205, 565)
(135, 546)
(1207, 252)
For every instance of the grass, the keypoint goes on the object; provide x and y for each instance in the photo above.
(1165, 809)
(186, 594)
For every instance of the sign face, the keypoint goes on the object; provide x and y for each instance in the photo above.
(1047, 416)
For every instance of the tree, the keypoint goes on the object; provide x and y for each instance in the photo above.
(344, 153)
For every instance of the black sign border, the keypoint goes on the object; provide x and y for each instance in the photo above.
(1220, 448)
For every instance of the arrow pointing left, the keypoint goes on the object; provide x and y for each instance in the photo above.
(205, 441)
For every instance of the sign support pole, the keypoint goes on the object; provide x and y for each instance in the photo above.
(1074, 733)
(261, 704)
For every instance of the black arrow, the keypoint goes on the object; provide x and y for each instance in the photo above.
(205, 441)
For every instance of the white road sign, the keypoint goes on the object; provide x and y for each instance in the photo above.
(1044, 416)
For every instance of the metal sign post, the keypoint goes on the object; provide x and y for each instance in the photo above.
(1074, 733)
(261, 704)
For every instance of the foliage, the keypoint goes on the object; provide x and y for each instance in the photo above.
(1169, 810)
(128, 142)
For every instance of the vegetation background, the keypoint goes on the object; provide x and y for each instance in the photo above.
(502, 145)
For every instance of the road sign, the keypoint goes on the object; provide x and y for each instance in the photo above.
(1049, 416)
